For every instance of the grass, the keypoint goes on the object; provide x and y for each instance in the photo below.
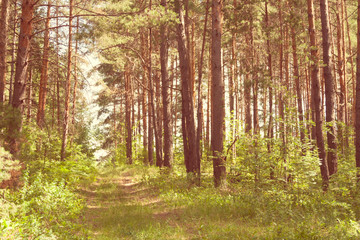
(121, 207)
(141, 203)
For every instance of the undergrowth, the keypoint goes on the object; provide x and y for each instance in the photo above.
(45, 205)
(247, 210)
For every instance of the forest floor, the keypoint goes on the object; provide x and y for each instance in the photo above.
(120, 206)
(144, 203)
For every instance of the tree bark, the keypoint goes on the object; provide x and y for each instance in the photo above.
(151, 123)
(128, 127)
(3, 46)
(19, 96)
(315, 92)
(217, 97)
(247, 88)
(199, 134)
(329, 88)
(68, 87)
(270, 133)
(29, 94)
(342, 79)
(166, 98)
(155, 105)
(353, 77)
(357, 107)
(144, 103)
(13, 60)
(188, 122)
(76, 80)
(58, 67)
(297, 84)
(40, 118)
(281, 81)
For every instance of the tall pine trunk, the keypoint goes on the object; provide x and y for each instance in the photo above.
(4, 19)
(188, 121)
(151, 123)
(22, 57)
(315, 92)
(199, 134)
(128, 127)
(357, 107)
(329, 88)
(217, 97)
(68, 87)
(40, 118)
(297, 83)
(166, 98)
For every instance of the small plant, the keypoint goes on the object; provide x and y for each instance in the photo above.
(9, 169)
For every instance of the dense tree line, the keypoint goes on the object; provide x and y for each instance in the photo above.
(191, 75)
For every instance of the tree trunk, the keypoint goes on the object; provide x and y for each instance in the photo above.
(281, 81)
(297, 84)
(115, 128)
(3, 46)
(353, 77)
(128, 127)
(155, 105)
(151, 123)
(217, 97)
(357, 107)
(68, 87)
(40, 118)
(233, 90)
(166, 98)
(199, 134)
(208, 111)
(270, 133)
(344, 57)
(342, 79)
(188, 122)
(144, 102)
(247, 89)
(58, 67)
(76, 80)
(12, 70)
(315, 92)
(19, 96)
(29, 94)
(329, 88)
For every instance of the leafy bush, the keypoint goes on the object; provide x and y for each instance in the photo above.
(7, 165)
(47, 205)
(42, 210)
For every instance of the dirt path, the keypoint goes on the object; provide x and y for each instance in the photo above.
(120, 207)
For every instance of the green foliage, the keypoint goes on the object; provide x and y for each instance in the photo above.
(41, 210)
(7, 164)
(10, 118)
(46, 206)
(245, 210)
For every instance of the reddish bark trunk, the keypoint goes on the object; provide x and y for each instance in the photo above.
(315, 92)
(19, 96)
(40, 118)
(3, 46)
(329, 88)
(217, 97)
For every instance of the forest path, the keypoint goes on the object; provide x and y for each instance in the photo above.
(119, 206)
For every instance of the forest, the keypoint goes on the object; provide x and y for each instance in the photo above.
(180, 119)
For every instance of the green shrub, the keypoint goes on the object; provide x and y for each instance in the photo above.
(7, 164)
(42, 210)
